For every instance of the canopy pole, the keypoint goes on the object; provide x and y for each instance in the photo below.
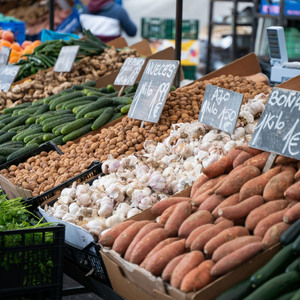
(178, 38)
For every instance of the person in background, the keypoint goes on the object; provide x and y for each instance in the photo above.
(106, 20)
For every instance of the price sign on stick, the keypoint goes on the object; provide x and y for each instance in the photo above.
(220, 108)
(130, 71)
(153, 89)
(4, 55)
(278, 129)
(7, 76)
(66, 59)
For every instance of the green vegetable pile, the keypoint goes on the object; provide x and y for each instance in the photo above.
(44, 56)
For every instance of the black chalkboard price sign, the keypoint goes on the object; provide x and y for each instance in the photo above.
(130, 70)
(278, 129)
(4, 55)
(153, 89)
(7, 76)
(66, 59)
(220, 108)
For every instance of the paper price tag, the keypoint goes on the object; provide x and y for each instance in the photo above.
(4, 55)
(7, 76)
(66, 59)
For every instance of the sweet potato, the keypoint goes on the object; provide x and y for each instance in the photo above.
(277, 185)
(163, 218)
(180, 213)
(297, 175)
(233, 245)
(146, 244)
(211, 202)
(258, 160)
(293, 192)
(219, 167)
(198, 278)
(169, 269)
(201, 240)
(292, 214)
(198, 183)
(263, 211)
(223, 237)
(193, 221)
(200, 198)
(267, 222)
(248, 149)
(109, 237)
(219, 220)
(233, 153)
(242, 209)
(159, 207)
(241, 158)
(158, 247)
(273, 234)
(229, 201)
(124, 239)
(255, 186)
(188, 263)
(236, 258)
(288, 167)
(145, 230)
(234, 182)
(196, 232)
(158, 261)
(284, 160)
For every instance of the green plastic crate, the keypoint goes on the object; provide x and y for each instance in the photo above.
(165, 28)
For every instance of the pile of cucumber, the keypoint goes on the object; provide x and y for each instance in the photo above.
(278, 279)
(60, 118)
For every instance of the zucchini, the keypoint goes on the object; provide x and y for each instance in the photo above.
(76, 103)
(291, 233)
(121, 100)
(2, 159)
(78, 100)
(31, 130)
(94, 114)
(37, 140)
(100, 103)
(114, 117)
(6, 151)
(30, 137)
(58, 140)
(103, 118)
(54, 118)
(296, 296)
(49, 126)
(10, 110)
(77, 133)
(42, 109)
(274, 266)
(22, 151)
(48, 137)
(64, 98)
(20, 121)
(74, 125)
(125, 109)
(19, 128)
(294, 266)
(238, 291)
(275, 286)
(296, 245)
(7, 136)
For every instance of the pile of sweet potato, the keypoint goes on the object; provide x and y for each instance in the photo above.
(234, 211)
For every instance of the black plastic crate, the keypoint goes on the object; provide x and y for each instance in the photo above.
(31, 263)
(94, 169)
(88, 261)
(44, 147)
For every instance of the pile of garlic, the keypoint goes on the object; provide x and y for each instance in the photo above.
(136, 182)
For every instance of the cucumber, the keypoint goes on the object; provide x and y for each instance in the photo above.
(74, 125)
(37, 102)
(294, 266)
(37, 140)
(83, 100)
(90, 83)
(238, 291)
(20, 121)
(275, 286)
(291, 233)
(76, 109)
(11, 144)
(118, 108)
(6, 151)
(49, 126)
(58, 140)
(54, 118)
(274, 266)
(10, 110)
(19, 128)
(100, 103)
(94, 114)
(31, 120)
(110, 88)
(2, 159)
(56, 130)
(77, 133)
(7, 136)
(94, 93)
(42, 109)
(52, 114)
(125, 109)
(22, 151)
(52, 97)
(60, 105)
(64, 98)
(121, 100)
(29, 110)
(9, 120)
(103, 118)
(286, 296)
(296, 296)
(114, 117)
(76, 103)
(103, 90)
(31, 130)
(48, 137)
(296, 245)
(2, 117)
(2, 125)
(30, 137)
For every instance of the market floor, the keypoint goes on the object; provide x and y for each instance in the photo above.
(69, 283)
